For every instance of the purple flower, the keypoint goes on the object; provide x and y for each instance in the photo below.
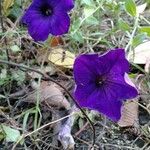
(47, 16)
(102, 82)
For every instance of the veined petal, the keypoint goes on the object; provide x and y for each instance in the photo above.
(85, 69)
(66, 5)
(39, 29)
(30, 15)
(114, 61)
(60, 23)
(104, 101)
(53, 13)
(121, 86)
(82, 92)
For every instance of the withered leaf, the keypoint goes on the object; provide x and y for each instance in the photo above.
(49, 94)
(129, 114)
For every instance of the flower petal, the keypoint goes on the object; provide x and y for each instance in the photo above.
(60, 23)
(32, 12)
(82, 92)
(85, 69)
(114, 61)
(66, 4)
(104, 101)
(39, 29)
(122, 87)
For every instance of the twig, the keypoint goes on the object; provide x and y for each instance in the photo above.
(82, 129)
(48, 78)
(3, 30)
(48, 124)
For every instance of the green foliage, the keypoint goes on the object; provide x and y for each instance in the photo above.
(145, 29)
(130, 7)
(138, 39)
(12, 8)
(18, 76)
(96, 25)
(10, 134)
(4, 78)
(95, 22)
(123, 25)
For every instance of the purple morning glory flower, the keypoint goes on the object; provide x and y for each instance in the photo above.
(47, 16)
(102, 82)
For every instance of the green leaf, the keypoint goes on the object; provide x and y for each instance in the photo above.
(19, 76)
(78, 37)
(145, 29)
(138, 39)
(2, 96)
(16, 11)
(76, 24)
(81, 123)
(2, 134)
(92, 21)
(25, 119)
(88, 2)
(15, 48)
(123, 25)
(12, 135)
(88, 11)
(130, 7)
(3, 74)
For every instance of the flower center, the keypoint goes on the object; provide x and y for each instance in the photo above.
(100, 81)
(46, 10)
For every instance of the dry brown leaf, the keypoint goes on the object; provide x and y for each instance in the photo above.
(50, 95)
(42, 55)
(56, 41)
(6, 5)
(141, 53)
(129, 114)
(61, 57)
(48, 69)
(147, 66)
(142, 83)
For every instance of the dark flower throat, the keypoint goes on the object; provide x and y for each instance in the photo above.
(46, 11)
(100, 81)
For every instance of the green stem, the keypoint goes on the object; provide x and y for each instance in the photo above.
(133, 34)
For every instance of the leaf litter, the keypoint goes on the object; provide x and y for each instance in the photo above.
(55, 104)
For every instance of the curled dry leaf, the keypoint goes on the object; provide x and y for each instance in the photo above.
(141, 54)
(50, 94)
(56, 41)
(61, 57)
(42, 55)
(147, 66)
(46, 70)
(6, 5)
(144, 90)
(64, 135)
(129, 114)
(141, 8)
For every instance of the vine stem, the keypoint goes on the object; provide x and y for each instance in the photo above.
(48, 78)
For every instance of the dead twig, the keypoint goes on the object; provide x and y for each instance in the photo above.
(48, 78)
(3, 30)
(30, 133)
